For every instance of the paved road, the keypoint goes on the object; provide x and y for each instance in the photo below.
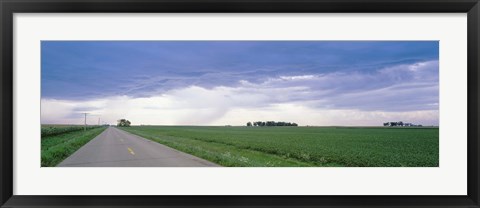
(117, 148)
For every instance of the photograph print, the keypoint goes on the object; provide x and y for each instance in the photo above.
(240, 104)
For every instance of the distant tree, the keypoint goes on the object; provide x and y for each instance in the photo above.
(271, 123)
(123, 122)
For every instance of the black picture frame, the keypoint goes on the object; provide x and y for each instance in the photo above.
(9, 7)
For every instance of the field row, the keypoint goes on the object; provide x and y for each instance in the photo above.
(52, 130)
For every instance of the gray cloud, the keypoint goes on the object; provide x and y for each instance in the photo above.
(405, 91)
(405, 87)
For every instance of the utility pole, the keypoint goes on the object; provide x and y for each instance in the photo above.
(85, 127)
(99, 121)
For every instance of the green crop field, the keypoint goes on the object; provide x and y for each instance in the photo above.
(52, 130)
(60, 141)
(302, 146)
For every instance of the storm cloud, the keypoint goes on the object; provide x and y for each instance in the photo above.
(211, 82)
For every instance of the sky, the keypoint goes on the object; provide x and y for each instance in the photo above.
(317, 83)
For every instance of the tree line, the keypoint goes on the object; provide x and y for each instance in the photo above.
(271, 123)
(401, 123)
(123, 123)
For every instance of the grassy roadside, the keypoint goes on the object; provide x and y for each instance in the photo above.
(56, 148)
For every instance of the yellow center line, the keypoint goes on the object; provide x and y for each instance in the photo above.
(131, 151)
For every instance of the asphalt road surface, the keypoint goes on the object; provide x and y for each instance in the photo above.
(117, 148)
